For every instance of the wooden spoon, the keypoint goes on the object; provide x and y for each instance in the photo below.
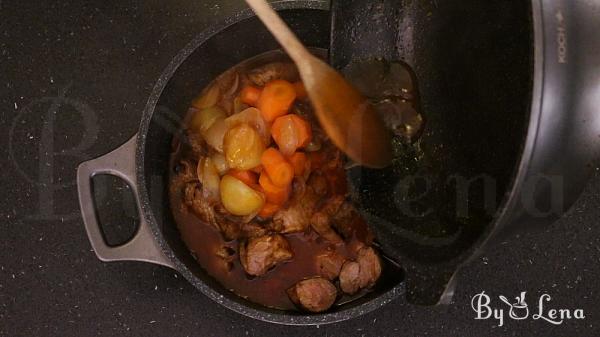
(345, 115)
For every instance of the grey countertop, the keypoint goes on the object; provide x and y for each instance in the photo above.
(80, 72)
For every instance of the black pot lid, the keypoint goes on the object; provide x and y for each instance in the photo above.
(432, 207)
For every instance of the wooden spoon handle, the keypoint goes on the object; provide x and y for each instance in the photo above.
(280, 30)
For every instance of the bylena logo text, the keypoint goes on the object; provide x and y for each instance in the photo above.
(519, 310)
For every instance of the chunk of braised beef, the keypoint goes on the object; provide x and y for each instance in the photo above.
(296, 216)
(321, 221)
(362, 273)
(337, 220)
(201, 206)
(315, 294)
(345, 219)
(260, 254)
(329, 264)
(370, 266)
(350, 277)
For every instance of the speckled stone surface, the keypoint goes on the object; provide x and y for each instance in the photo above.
(76, 73)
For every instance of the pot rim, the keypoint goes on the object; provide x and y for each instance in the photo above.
(246, 310)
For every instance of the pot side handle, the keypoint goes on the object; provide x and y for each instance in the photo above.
(142, 246)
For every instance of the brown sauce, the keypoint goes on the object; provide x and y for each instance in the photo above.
(269, 289)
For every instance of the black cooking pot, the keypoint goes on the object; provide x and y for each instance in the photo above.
(551, 57)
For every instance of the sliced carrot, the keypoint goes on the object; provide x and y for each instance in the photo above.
(276, 99)
(291, 132)
(300, 162)
(317, 159)
(285, 134)
(247, 177)
(274, 194)
(250, 95)
(300, 90)
(268, 210)
(270, 157)
(277, 167)
(304, 130)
